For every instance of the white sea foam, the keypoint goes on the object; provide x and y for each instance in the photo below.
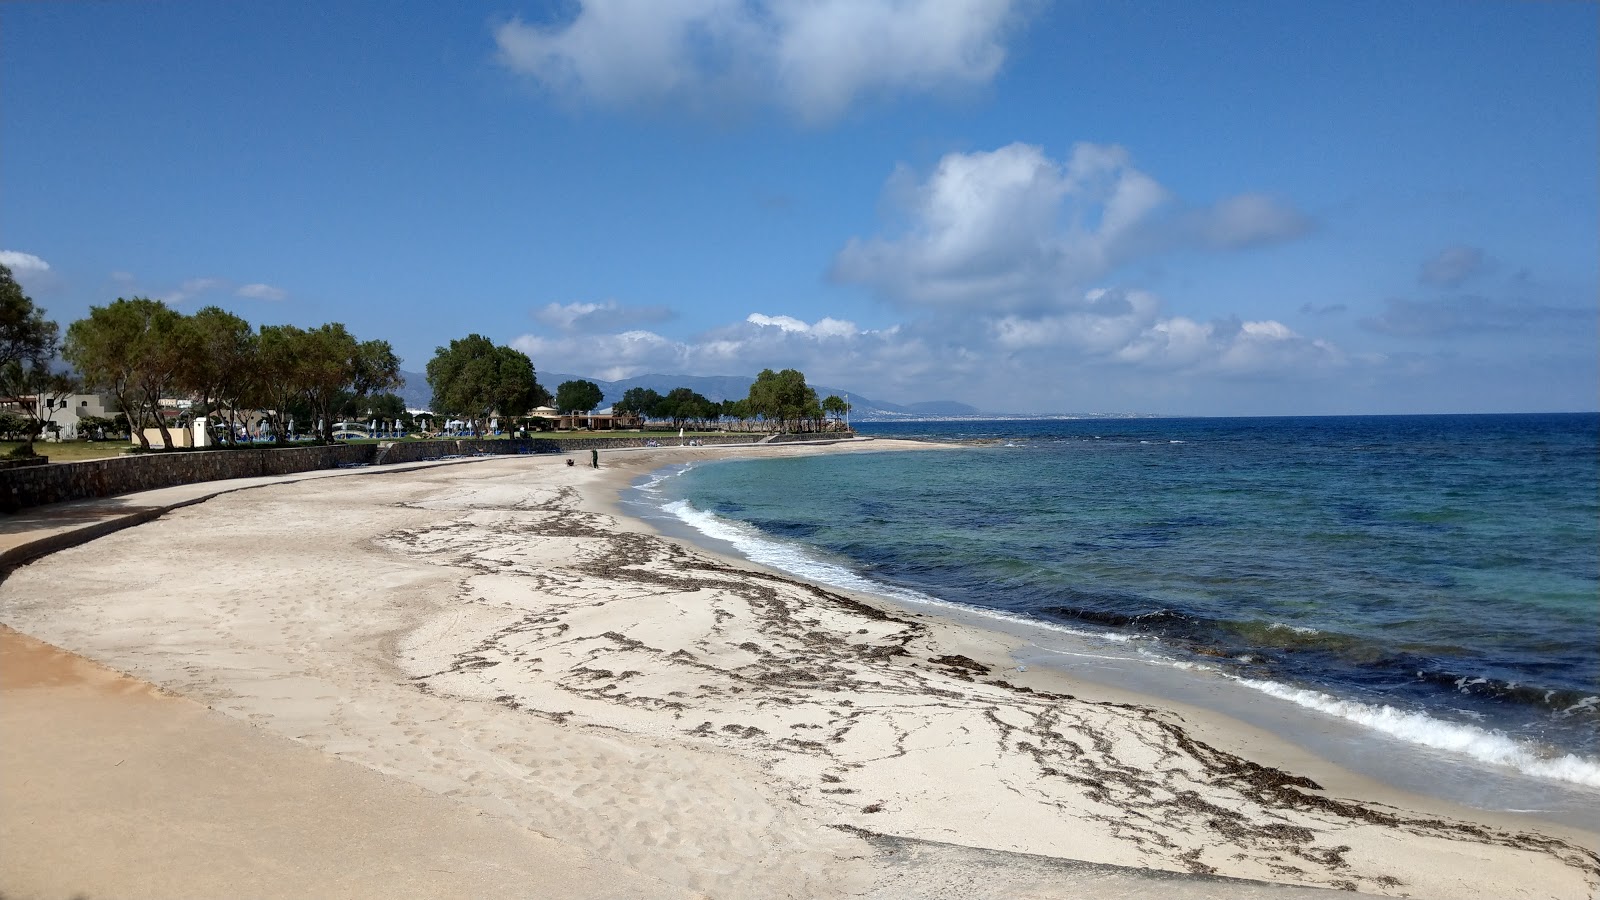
(1587, 703)
(652, 485)
(1297, 629)
(750, 543)
(1418, 728)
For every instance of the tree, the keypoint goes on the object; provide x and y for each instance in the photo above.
(783, 397)
(682, 405)
(835, 406)
(377, 372)
(736, 409)
(639, 401)
(28, 343)
(386, 408)
(131, 349)
(221, 363)
(475, 379)
(276, 387)
(578, 396)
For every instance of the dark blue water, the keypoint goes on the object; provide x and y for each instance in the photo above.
(1435, 577)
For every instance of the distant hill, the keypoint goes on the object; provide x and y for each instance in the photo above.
(714, 387)
(415, 392)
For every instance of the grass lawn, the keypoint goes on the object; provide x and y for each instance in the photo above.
(71, 451)
(602, 435)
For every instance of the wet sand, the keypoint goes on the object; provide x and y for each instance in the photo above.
(501, 637)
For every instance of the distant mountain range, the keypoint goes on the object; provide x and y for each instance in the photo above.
(717, 387)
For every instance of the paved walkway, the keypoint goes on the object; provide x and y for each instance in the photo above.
(41, 530)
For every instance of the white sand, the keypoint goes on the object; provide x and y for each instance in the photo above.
(496, 634)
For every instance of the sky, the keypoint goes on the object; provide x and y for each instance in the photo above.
(1082, 206)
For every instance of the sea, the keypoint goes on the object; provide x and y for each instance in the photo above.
(1416, 598)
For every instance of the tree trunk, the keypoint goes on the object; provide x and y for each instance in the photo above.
(135, 422)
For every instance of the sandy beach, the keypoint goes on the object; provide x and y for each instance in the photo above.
(564, 703)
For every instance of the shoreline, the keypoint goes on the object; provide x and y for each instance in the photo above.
(1350, 737)
(520, 644)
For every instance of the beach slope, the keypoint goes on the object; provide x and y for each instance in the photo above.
(497, 635)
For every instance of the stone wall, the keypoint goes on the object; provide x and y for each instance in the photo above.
(37, 486)
(21, 488)
(812, 436)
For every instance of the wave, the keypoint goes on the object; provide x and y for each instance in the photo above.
(652, 483)
(1479, 744)
(753, 545)
(1482, 745)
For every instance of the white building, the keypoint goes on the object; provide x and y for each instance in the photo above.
(62, 412)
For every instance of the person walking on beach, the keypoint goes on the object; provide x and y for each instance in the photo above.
(594, 458)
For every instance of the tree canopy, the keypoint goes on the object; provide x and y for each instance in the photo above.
(28, 344)
(638, 401)
(132, 349)
(578, 396)
(474, 379)
(783, 398)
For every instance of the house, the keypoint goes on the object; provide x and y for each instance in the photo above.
(607, 419)
(62, 412)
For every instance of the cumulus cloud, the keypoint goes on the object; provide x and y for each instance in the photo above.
(825, 327)
(22, 264)
(1453, 266)
(594, 317)
(998, 361)
(259, 291)
(826, 348)
(624, 354)
(1015, 229)
(1128, 327)
(813, 57)
(1230, 348)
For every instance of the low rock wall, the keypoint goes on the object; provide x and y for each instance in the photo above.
(22, 488)
(39, 485)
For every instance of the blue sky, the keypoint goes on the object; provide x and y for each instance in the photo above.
(1156, 207)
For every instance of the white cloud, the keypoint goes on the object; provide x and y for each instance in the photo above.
(623, 355)
(813, 57)
(1014, 229)
(1058, 361)
(22, 263)
(827, 347)
(260, 291)
(1107, 322)
(825, 327)
(1229, 348)
(1127, 328)
(190, 289)
(590, 317)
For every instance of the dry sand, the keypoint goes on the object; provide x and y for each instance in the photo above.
(499, 636)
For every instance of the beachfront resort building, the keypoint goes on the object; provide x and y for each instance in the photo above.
(62, 412)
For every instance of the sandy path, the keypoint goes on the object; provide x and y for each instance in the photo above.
(488, 633)
(115, 790)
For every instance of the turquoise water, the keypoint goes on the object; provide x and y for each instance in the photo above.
(1434, 577)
